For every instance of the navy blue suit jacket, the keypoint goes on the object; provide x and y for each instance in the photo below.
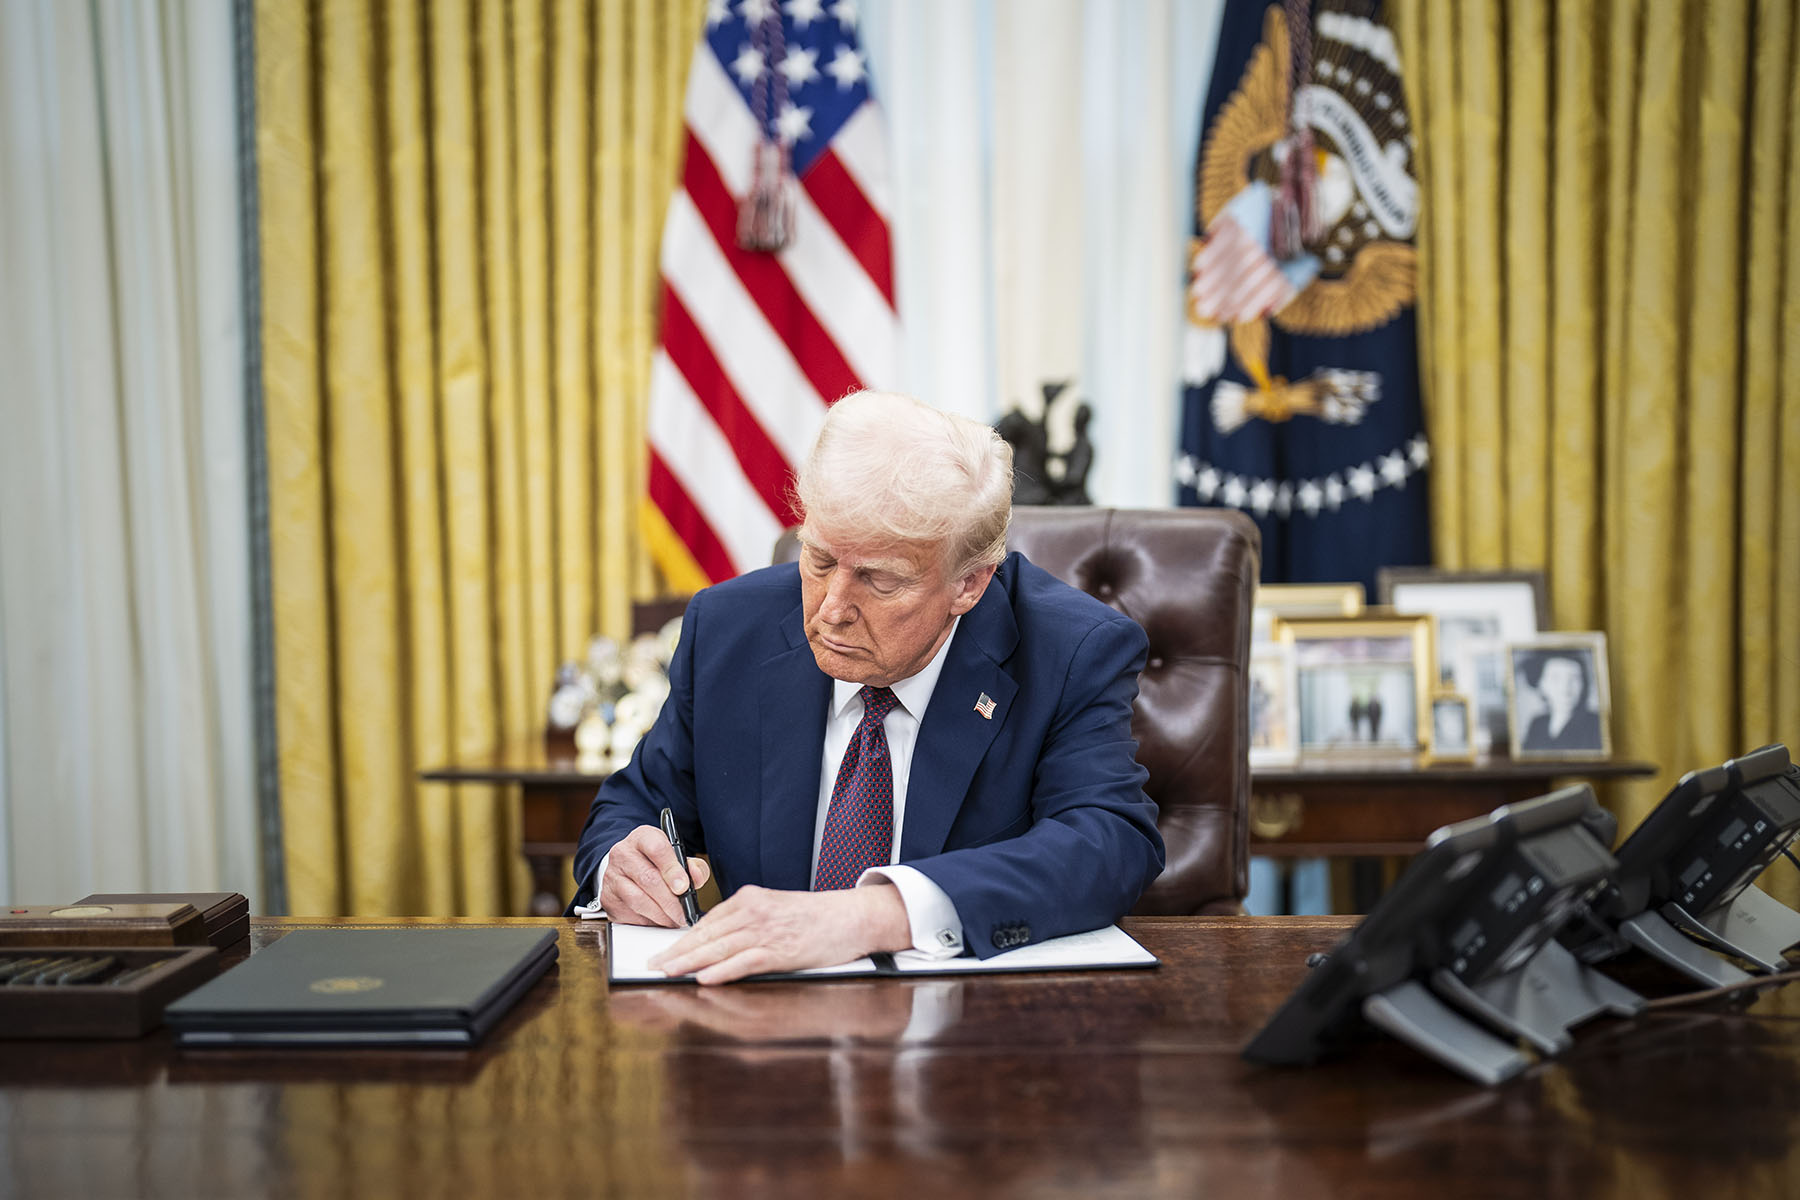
(1033, 822)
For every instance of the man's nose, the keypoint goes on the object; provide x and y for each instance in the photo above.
(838, 607)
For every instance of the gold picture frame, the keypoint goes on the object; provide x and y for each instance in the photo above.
(1452, 728)
(1311, 599)
(1364, 683)
(1576, 731)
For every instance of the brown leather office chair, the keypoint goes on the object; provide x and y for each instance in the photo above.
(1188, 576)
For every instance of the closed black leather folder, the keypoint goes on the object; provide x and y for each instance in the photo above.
(434, 987)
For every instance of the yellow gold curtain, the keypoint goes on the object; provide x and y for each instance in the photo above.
(460, 207)
(1610, 284)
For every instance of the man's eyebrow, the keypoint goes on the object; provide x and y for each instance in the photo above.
(889, 566)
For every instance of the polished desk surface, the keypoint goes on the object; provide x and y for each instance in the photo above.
(1081, 1084)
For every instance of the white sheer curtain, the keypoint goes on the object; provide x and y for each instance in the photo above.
(126, 730)
(1044, 154)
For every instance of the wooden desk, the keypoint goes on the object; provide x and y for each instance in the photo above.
(1316, 811)
(1098, 1084)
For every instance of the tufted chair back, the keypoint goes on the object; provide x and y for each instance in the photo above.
(1188, 576)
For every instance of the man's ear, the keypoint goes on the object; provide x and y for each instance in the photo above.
(969, 589)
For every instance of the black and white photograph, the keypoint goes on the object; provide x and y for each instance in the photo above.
(1560, 705)
(1362, 683)
(1477, 613)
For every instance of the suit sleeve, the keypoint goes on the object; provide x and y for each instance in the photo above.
(661, 773)
(1092, 846)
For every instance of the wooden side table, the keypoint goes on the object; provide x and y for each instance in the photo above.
(554, 796)
(1347, 809)
(1387, 808)
(1370, 810)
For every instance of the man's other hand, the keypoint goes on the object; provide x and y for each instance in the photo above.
(758, 931)
(643, 882)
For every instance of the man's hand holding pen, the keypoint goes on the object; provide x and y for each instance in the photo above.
(756, 931)
(644, 880)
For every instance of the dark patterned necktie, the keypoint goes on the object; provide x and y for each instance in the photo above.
(859, 825)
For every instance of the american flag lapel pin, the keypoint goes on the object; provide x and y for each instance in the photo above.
(985, 706)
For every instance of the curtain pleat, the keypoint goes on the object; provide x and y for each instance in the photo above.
(1718, 265)
(1782, 653)
(463, 200)
(1525, 196)
(1608, 275)
(498, 260)
(570, 295)
(362, 501)
(1577, 150)
(423, 653)
(463, 461)
(1430, 74)
(294, 414)
(1478, 50)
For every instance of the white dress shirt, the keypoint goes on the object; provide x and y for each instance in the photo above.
(936, 927)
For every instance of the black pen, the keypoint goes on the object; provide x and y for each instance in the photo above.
(689, 906)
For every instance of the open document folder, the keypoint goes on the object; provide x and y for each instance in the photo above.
(631, 947)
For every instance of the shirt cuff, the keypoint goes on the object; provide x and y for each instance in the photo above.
(589, 912)
(937, 931)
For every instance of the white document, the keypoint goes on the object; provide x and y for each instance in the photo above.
(631, 947)
(1109, 947)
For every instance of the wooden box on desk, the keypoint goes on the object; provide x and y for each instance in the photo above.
(226, 915)
(104, 1010)
(85, 924)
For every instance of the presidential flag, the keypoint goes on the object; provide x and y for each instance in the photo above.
(1301, 405)
(778, 287)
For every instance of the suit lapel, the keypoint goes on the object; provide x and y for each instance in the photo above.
(793, 694)
(954, 737)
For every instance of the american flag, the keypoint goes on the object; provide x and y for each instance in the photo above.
(755, 345)
(1234, 277)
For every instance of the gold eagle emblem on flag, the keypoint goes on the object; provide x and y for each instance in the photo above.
(1357, 268)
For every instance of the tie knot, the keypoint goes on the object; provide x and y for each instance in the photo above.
(878, 702)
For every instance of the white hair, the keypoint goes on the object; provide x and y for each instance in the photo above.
(888, 466)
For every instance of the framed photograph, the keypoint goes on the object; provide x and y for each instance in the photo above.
(1274, 706)
(1364, 683)
(1558, 697)
(1452, 730)
(1287, 601)
(1478, 613)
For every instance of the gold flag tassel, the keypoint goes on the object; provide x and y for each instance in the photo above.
(766, 212)
(1294, 215)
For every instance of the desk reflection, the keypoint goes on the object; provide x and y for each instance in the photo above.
(849, 1078)
(871, 1012)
